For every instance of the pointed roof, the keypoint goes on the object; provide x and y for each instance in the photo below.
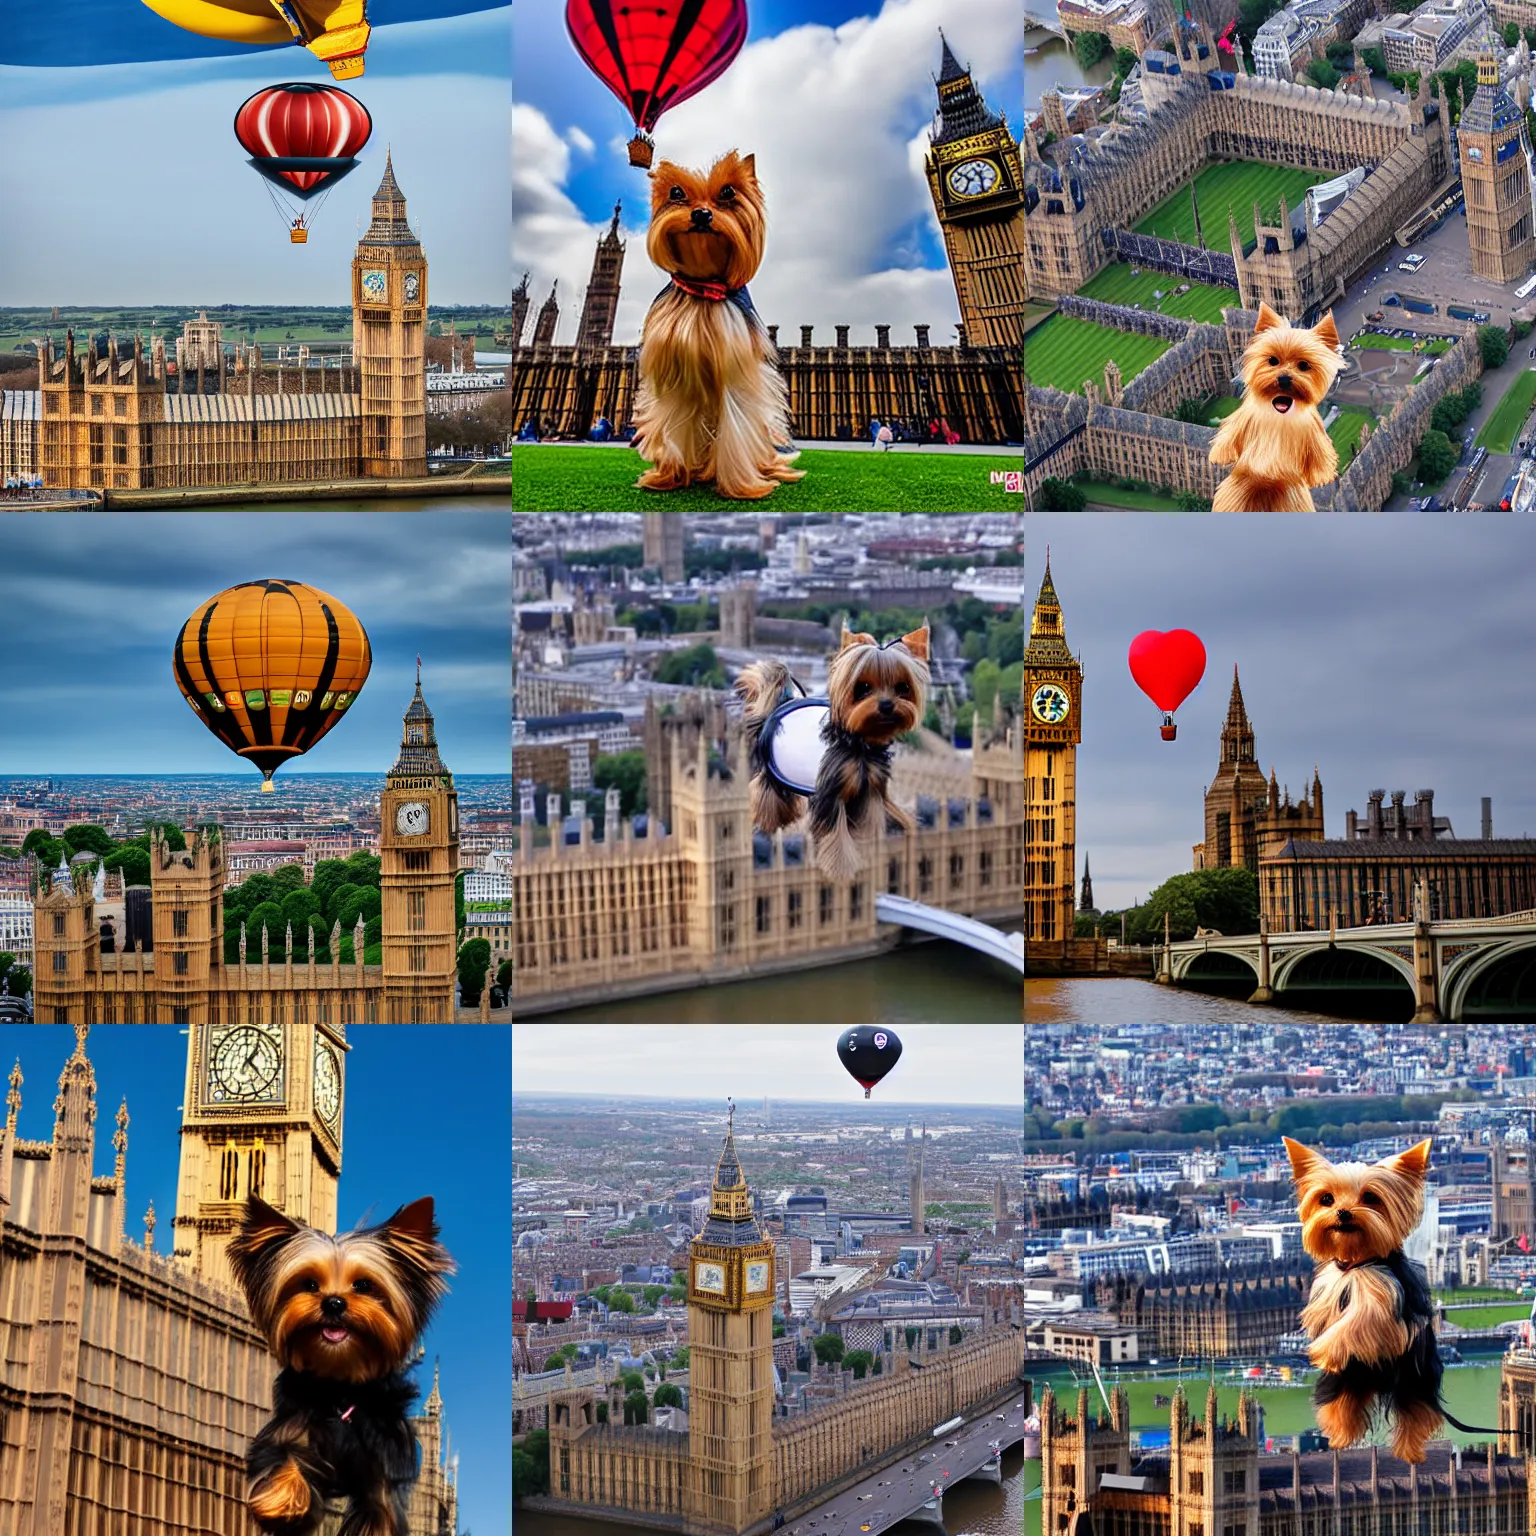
(950, 66)
(389, 226)
(962, 110)
(1237, 713)
(418, 742)
(1047, 637)
(731, 1222)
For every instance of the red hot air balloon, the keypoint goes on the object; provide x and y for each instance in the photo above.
(655, 55)
(303, 139)
(1167, 668)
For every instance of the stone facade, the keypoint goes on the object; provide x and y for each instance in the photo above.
(1495, 153)
(1221, 1315)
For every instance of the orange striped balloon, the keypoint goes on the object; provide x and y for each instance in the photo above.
(270, 666)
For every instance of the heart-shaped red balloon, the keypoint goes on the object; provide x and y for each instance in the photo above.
(1167, 666)
(654, 55)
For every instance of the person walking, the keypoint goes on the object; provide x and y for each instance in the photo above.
(885, 437)
(874, 431)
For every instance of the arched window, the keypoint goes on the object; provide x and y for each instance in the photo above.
(229, 1174)
(258, 1169)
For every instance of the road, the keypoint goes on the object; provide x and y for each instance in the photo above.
(884, 1498)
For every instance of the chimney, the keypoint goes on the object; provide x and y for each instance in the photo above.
(1351, 825)
(1424, 806)
(883, 337)
(773, 334)
(1397, 821)
(922, 336)
(842, 336)
(1487, 819)
(805, 335)
(1373, 815)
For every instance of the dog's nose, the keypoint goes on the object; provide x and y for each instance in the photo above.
(1285, 382)
(333, 1306)
(1345, 1216)
(887, 707)
(703, 218)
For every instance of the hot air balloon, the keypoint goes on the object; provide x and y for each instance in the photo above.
(867, 1053)
(655, 55)
(335, 31)
(1167, 668)
(303, 139)
(269, 667)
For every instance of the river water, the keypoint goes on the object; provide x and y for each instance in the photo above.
(1053, 63)
(1114, 1002)
(970, 1509)
(929, 983)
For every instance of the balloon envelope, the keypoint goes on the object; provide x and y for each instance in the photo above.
(655, 55)
(303, 137)
(1167, 666)
(270, 666)
(868, 1052)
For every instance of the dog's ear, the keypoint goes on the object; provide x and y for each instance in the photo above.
(917, 642)
(1304, 1160)
(262, 1232)
(1412, 1164)
(749, 166)
(1268, 319)
(1326, 331)
(852, 638)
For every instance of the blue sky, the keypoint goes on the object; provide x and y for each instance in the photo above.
(91, 689)
(423, 1116)
(834, 99)
(147, 149)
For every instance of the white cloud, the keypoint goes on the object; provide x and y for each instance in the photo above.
(828, 112)
(582, 141)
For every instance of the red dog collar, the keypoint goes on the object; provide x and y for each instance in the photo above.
(715, 292)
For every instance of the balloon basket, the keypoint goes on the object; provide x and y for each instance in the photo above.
(268, 787)
(298, 236)
(642, 150)
(1170, 732)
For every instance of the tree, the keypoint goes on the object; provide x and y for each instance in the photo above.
(636, 1409)
(632, 1381)
(1437, 457)
(19, 980)
(1511, 35)
(1192, 411)
(1090, 47)
(652, 1294)
(1493, 341)
(132, 862)
(626, 770)
(270, 914)
(858, 1361)
(474, 960)
(535, 1451)
(1374, 60)
(1322, 74)
(668, 1396)
(984, 681)
(620, 1301)
(1472, 395)
(288, 877)
(1061, 496)
(88, 838)
(696, 667)
(1125, 60)
(1191, 501)
(38, 838)
(678, 1359)
(956, 1334)
(504, 974)
(602, 1413)
(828, 1348)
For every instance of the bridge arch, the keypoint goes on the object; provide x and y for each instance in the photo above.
(1225, 971)
(906, 913)
(1496, 985)
(1313, 972)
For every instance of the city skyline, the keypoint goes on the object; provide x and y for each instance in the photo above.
(941, 1064)
(1381, 661)
(92, 691)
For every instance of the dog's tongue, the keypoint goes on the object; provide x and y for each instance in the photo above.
(1282, 403)
(334, 1335)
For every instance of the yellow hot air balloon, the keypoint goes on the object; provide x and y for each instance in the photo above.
(270, 666)
(335, 31)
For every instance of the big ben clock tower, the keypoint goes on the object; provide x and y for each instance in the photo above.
(261, 1116)
(1053, 699)
(418, 864)
(976, 178)
(389, 326)
(730, 1359)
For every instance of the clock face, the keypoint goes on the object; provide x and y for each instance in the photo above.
(411, 818)
(757, 1275)
(327, 1083)
(973, 178)
(245, 1067)
(412, 287)
(709, 1277)
(1051, 704)
(375, 284)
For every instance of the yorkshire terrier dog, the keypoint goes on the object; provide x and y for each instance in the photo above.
(711, 405)
(1370, 1317)
(341, 1315)
(875, 693)
(1275, 440)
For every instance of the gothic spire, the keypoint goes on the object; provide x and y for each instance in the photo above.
(389, 226)
(1047, 638)
(962, 111)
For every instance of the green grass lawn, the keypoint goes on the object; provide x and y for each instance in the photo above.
(1471, 1393)
(1065, 351)
(1503, 427)
(1117, 285)
(1345, 431)
(1463, 1293)
(1434, 348)
(1238, 186)
(558, 478)
(1489, 1316)
(1100, 494)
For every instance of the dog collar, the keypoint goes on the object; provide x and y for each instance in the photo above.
(716, 293)
(350, 1410)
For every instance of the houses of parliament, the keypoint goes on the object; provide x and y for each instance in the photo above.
(120, 420)
(133, 1378)
(739, 1466)
(975, 177)
(186, 980)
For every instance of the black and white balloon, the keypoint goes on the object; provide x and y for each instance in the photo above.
(868, 1052)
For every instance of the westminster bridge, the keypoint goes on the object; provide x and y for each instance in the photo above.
(1467, 970)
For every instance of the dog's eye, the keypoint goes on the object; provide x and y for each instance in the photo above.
(1370, 1197)
(312, 1286)
(363, 1286)
(1325, 1199)
(1304, 365)
(677, 195)
(862, 690)
(1274, 362)
(903, 690)
(727, 195)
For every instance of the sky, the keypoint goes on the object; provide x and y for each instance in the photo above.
(94, 601)
(834, 99)
(1391, 653)
(940, 1063)
(446, 1099)
(147, 151)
